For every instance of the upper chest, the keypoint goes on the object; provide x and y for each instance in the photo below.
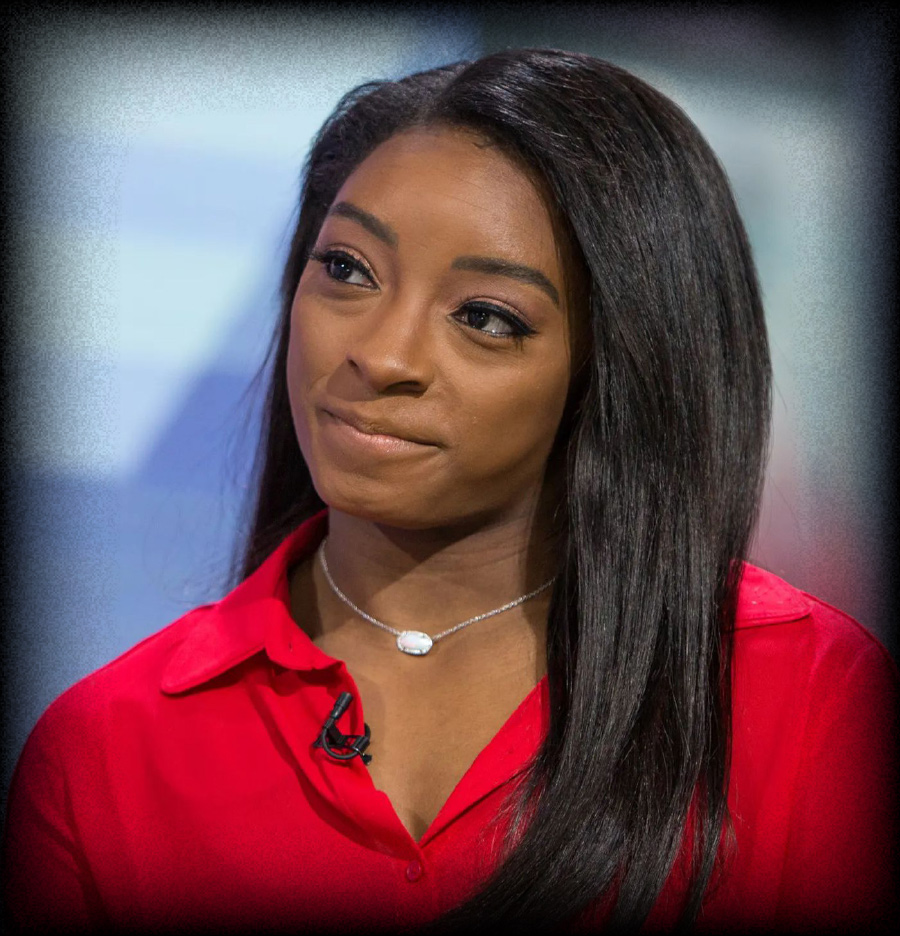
(423, 742)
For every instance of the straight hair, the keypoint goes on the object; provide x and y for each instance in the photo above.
(663, 445)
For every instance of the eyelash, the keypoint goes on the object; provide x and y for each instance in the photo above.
(520, 329)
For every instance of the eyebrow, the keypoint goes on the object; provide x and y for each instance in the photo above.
(493, 266)
(373, 225)
(496, 267)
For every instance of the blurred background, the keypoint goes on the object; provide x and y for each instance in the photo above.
(155, 174)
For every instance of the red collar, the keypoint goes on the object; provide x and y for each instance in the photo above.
(255, 617)
(764, 598)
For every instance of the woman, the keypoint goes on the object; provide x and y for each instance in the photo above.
(493, 657)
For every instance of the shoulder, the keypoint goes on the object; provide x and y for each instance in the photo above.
(128, 687)
(789, 640)
(138, 692)
(766, 601)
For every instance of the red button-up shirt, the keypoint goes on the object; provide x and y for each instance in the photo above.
(179, 784)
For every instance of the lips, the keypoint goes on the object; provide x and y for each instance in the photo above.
(377, 427)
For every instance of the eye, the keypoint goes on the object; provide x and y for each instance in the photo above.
(493, 320)
(342, 267)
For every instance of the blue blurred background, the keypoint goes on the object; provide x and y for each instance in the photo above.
(156, 184)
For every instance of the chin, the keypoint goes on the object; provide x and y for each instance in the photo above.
(379, 502)
(403, 506)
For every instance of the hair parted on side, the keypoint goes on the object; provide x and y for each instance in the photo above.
(664, 450)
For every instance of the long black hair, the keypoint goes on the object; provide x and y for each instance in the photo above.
(664, 458)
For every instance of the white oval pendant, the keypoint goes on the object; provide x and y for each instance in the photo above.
(414, 642)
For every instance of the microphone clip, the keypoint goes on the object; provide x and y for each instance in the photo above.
(339, 746)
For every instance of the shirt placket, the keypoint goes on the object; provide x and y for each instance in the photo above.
(345, 784)
(348, 786)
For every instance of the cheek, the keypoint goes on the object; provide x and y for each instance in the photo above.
(306, 359)
(516, 426)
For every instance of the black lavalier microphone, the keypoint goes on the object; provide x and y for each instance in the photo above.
(333, 741)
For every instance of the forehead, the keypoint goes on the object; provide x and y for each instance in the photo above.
(450, 186)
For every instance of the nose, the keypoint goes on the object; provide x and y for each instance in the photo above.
(391, 350)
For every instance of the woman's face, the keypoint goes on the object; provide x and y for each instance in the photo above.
(429, 357)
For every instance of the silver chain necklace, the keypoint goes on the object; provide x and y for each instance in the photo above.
(415, 642)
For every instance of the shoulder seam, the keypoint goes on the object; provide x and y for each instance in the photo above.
(156, 635)
(849, 619)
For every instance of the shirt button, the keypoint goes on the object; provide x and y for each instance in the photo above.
(413, 871)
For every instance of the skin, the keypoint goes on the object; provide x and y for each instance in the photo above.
(459, 522)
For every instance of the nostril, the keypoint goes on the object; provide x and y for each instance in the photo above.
(392, 369)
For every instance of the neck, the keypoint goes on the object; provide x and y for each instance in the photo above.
(432, 579)
(439, 575)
